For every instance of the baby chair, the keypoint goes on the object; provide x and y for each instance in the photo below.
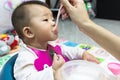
(7, 70)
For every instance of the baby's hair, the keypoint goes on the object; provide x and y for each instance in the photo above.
(21, 16)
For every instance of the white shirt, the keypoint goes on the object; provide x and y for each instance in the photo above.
(24, 66)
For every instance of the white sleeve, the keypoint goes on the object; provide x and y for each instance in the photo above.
(24, 69)
(72, 52)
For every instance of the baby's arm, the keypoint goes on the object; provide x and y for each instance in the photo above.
(89, 57)
(74, 53)
(58, 61)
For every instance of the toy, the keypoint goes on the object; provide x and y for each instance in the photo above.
(8, 43)
(85, 47)
(9, 40)
(90, 10)
(6, 9)
(114, 68)
(4, 48)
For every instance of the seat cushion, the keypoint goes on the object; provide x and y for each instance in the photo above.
(7, 70)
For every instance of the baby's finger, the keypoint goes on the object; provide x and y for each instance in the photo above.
(59, 57)
(55, 57)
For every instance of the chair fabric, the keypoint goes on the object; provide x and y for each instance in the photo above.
(7, 70)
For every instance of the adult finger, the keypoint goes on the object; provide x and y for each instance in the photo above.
(66, 4)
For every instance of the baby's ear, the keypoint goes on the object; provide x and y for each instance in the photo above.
(27, 32)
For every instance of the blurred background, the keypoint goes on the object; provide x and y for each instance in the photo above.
(103, 12)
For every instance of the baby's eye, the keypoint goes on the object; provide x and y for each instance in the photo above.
(45, 20)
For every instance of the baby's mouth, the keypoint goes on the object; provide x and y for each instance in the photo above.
(55, 30)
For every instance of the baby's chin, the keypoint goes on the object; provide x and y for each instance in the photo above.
(55, 38)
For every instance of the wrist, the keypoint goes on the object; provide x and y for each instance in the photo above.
(53, 69)
(84, 23)
(86, 26)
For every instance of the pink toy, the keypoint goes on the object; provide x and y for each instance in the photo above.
(114, 68)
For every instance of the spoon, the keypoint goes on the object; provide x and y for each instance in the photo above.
(58, 15)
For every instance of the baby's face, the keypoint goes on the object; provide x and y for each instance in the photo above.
(42, 23)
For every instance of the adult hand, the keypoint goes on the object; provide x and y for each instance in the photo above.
(78, 13)
(76, 10)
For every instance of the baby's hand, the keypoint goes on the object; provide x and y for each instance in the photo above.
(89, 57)
(58, 61)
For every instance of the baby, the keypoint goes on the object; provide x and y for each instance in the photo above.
(37, 58)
